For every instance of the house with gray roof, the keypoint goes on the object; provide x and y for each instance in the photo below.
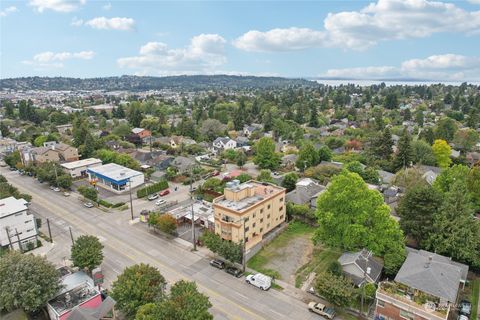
(361, 267)
(427, 286)
(306, 192)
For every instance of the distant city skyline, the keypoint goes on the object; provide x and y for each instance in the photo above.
(383, 39)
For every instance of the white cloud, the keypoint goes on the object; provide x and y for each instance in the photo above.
(380, 21)
(204, 54)
(474, 1)
(56, 5)
(107, 6)
(280, 39)
(8, 10)
(436, 67)
(117, 23)
(76, 22)
(51, 59)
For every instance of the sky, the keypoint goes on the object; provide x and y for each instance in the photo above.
(397, 39)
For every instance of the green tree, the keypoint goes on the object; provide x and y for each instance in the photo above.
(185, 302)
(442, 152)
(243, 177)
(229, 250)
(391, 101)
(307, 156)
(87, 252)
(138, 285)
(352, 217)
(423, 153)
(265, 155)
(473, 184)
(289, 181)
(335, 268)
(445, 129)
(404, 156)
(456, 233)
(88, 193)
(26, 281)
(416, 210)
(64, 181)
(265, 176)
(335, 288)
(313, 122)
(13, 159)
(324, 154)
(135, 116)
(166, 223)
(241, 158)
(465, 139)
(39, 141)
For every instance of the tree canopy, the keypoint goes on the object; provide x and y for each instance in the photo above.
(87, 252)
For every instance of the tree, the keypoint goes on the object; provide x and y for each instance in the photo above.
(307, 156)
(334, 288)
(313, 122)
(391, 101)
(404, 156)
(473, 184)
(185, 303)
(243, 177)
(135, 116)
(324, 154)
(64, 181)
(465, 139)
(352, 217)
(456, 233)
(87, 252)
(229, 250)
(289, 181)
(212, 128)
(442, 151)
(265, 155)
(335, 268)
(423, 153)
(138, 285)
(416, 210)
(445, 129)
(88, 193)
(241, 158)
(166, 223)
(13, 159)
(265, 176)
(39, 141)
(26, 281)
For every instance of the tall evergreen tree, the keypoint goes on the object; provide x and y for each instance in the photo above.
(313, 122)
(405, 154)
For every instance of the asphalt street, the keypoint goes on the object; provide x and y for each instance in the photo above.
(126, 244)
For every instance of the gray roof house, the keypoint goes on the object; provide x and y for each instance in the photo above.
(306, 192)
(183, 164)
(433, 274)
(356, 265)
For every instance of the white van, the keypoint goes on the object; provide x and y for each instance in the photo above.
(259, 280)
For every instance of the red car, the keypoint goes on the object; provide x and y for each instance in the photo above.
(164, 192)
(215, 173)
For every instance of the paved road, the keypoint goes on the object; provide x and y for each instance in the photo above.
(127, 244)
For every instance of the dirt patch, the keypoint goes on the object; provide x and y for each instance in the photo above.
(288, 259)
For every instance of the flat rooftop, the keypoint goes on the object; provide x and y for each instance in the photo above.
(81, 163)
(114, 171)
(262, 191)
(201, 210)
(12, 205)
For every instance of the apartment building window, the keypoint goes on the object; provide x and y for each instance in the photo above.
(246, 219)
(268, 225)
(281, 199)
(254, 225)
(247, 228)
(261, 210)
(281, 208)
(28, 221)
(246, 239)
(268, 207)
(261, 229)
(380, 303)
(406, 315)
(281, 217)
(268, 216)
(261, 220)
(254, 214)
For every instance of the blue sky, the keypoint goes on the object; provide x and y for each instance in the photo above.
(348, 39)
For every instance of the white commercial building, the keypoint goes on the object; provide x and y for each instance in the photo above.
(79, 168)
(115, 177)
(17, 225)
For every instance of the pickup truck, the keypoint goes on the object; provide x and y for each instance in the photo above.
(321, 309)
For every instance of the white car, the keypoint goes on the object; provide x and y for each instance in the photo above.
(152, 197)
(160, 202)
(88, 204)
(66, 194)
(259, 280)
(56, 189)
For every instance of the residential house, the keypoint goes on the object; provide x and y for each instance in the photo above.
(66, 152)
(249, 130)
(426, 287)
(176, 141)
(18, 228)
(289, 160)
(306, 192)
(65, 128)
(224, 143)
(430, 173)
(249, 211)
(473, 158)
(361, 267)
(242, 141)
(143, 134)
(7, 145)
(161, 162)
(183, 164)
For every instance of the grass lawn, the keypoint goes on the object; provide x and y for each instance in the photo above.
(474, 298)
(274, 248)
(322, 257)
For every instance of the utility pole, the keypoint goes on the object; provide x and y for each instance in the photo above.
(19, 243)
(49, 231)
(365, 272)
(71, 235)
(193, 214)
(9, 239)
(56, 176)
(130, 191)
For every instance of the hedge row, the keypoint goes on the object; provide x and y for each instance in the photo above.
(159, 186)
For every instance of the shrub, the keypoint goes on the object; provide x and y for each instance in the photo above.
(166, 223)
(118, 204)
(105, 203)
(159, 186)
(88, 192)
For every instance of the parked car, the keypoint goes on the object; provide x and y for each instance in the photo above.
(217, 263)
(52, 187)
(152, 197)
(234, 271)
(160, 202)
(164, 192)
(321, 309)
(88, 204)
(66, 194)
(56, 189)
(215, 173)
(462, 317)
(259, 280)
(465, 308)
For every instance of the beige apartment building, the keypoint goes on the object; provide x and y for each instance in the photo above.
(260, 207)
(50, 152)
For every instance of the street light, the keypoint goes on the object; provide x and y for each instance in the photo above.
(130, 191)
(193, 214)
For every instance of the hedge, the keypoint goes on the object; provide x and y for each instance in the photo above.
(159, 186)
(105, 203)
(118, 204)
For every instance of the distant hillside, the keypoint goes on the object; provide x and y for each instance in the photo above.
(134, 83)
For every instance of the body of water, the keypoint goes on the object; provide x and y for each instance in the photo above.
(364, 83)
